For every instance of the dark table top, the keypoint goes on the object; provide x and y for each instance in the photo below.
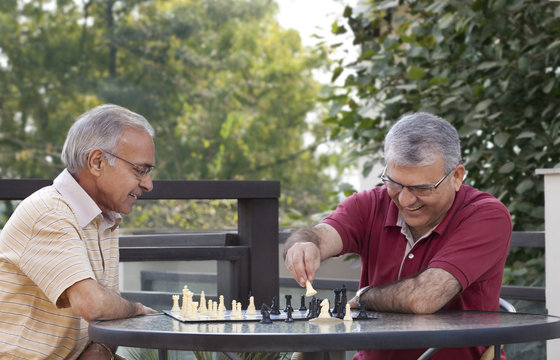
(387, 331)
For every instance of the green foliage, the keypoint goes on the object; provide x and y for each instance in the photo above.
(491, 68)
(226, 88)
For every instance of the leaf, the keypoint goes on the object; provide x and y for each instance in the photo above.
(525, 135)
(415, 73)
(483, 105)
(501, 139)
(524, 186)
(507, 168)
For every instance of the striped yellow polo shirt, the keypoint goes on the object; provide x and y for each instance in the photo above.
(55, 238)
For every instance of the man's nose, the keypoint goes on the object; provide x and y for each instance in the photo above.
(407, 198)
(146, 183)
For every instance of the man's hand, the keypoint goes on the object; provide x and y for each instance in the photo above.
(303, 259)
(93, 302)
(306, 248)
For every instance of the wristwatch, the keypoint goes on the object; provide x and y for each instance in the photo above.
(361, 291)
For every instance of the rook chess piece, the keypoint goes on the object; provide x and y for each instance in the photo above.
(175, 308)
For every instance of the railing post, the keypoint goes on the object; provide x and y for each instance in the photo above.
(552, 241)
(258, 229)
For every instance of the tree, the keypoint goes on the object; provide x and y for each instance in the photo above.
(226, 88)
(491, 68)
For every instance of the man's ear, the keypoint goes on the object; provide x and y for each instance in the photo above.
(96, 162)
(458, 176)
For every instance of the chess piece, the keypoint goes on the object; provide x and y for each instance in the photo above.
(325, 309)
(343, 298)
(275, 308)
(251, 310)
(289, 317)
(336, 308)
(202, 308)
(348, 315)
(362, 314)
(265, 315)
(302, 304)
(175, 308)
(288, 302)
(309, 289)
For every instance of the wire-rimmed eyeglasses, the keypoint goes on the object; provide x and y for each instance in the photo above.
(141, 170)
(416, 190)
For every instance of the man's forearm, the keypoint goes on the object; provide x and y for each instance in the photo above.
(302, 235)
(424, 294)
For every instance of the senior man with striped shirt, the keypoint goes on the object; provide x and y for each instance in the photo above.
(59, 250)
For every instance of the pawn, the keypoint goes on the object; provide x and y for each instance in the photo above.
(362, 314)
(289, 318)
(288, 302)
(348, 314)
(302, 304)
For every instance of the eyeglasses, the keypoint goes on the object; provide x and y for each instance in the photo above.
(416, 190)
(141, 170)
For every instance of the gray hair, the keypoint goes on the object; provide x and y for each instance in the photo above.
(99, 128)
(417, 139)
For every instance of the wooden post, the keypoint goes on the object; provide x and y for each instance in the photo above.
(552, 248)
(258, 229)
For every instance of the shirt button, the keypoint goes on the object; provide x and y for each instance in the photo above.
(411, 256)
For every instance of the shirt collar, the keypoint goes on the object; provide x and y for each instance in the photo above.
(82, 204)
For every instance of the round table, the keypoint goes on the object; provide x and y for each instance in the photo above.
(385, 331)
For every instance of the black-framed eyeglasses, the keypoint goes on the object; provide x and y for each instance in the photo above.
(416, 190)
(141, 170)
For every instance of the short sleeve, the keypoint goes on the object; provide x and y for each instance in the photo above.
(55, 257)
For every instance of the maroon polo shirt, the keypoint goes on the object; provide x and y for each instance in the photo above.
(471, 243)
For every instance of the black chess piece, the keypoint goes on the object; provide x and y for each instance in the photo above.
(275, 308)
(289, 318)
(265, 314)
(336, 307)
(288, 302)
(344, 298)
(302, 305)
(362, 314)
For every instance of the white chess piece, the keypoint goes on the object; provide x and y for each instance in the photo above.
(348, 314)
(175, 308)
(251, 310)
(325, 309)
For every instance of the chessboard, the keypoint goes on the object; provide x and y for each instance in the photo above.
(214, 311)
(296, 315)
